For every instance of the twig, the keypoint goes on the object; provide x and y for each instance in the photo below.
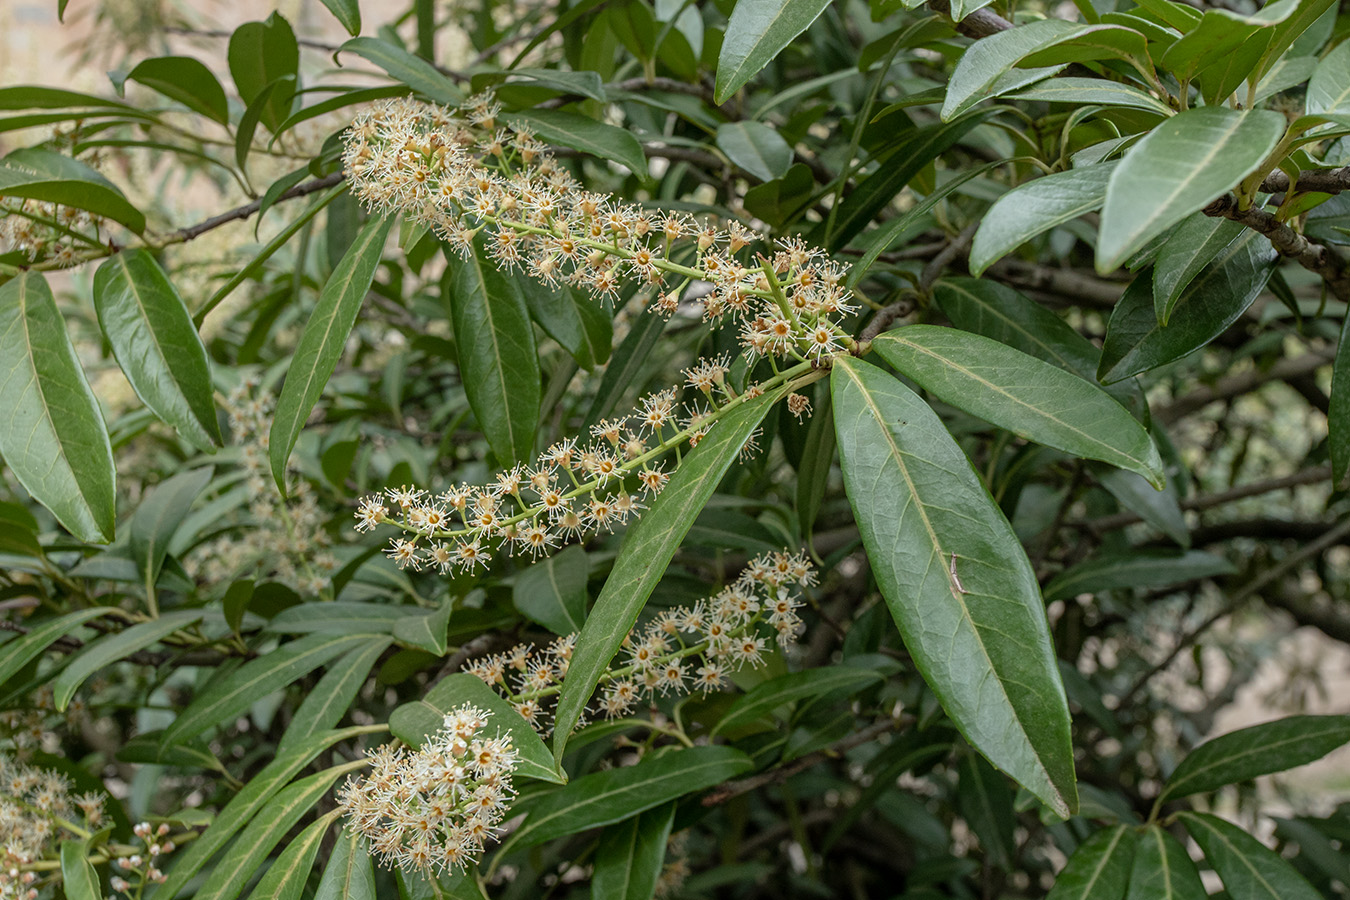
(1317, 258)
(1237, 385)
(957, 249)
(883, 319)
(243, 212)
(1324, 181)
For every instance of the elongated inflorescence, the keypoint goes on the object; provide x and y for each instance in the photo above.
(436, 807)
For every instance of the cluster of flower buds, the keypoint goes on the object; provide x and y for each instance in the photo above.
(685, 648)
(434, 808)
(449, 170)
(144, 865)
(35, 808)
(47, 231)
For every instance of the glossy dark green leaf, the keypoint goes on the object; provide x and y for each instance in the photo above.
(603, 798)
(112, 647)
(347, 12)
(1020, 393)
(498, 361)
(285, 879)
(1250, 870)
(580, 325)
(1099, 869)
(1094, 91)
(1160, 509)
(552, 592)
(630, 855)
(985, 801)
(985, 61)
(186, 80)
(401, 65)
(1195, 243)
(450, 885)
(426, 632)
(327, 704)
(159, 516)
(340, 617)
(21, 650)
(37, 174)
(1139, 568)
(412, 722)
(1177, 169)
(341, 101)
(1135, 341)
(813, 473)
(979, 636)
(585, 134)
(260, 54)
(152, 336)
(225, 698)
(757, 32)
(1338, 414)
(260, 106)
(1036, 207)
(322, 342)
(777, 692)
(52, 434)
(36, 96)
(1259, 750)
(756, 148)
(350, 874)
(1162, 870)
(240, 810)
(79, 881)
(647, 550)
(629, 359)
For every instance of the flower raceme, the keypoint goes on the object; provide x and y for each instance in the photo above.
(436, 807)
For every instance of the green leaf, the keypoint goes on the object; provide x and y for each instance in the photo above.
(52, 435)
(985, 801)
(629, 359)
(341, 101)
(603, 798)
(647, 549)
(79, 881)
(1195, 243)
(770, 695)
(1022, 394)
(347, 12)
(979, 638)
(498, 361)
(248, 122)
(339, 617)
(585, 134)
(261, 54)
(324, 339)
(1179, 167)
(1088, 43)
(152, 336)
(36, 96)
(158, 517)
(1249, 869)
(250, 800)
(577, 323)
(38, 174)
(1338, 414)
(450, 885)
(757, 32)
(1159, 509)
(1162, 869)
(1095, 92)
(813, 474)
(552, 592)
(426, 632)
(1329, 87)
(412, 722)
(22, 650)
(1135, 341)
(756, 148)
(1259, 750)
(1099, 869)
(630, 855)
(325, 705)
(1036, 207)
(286, 878)
(230, 874)
(986, 61)
(349, 875)
(110, 648)
(225, 698)
(186, 80)
(1139, 568)
(401, 65)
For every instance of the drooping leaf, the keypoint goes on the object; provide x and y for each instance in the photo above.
(264, 53)
(159, 516)
(1250, 870)
(985, 800)
(1178, 168)
(1139, 568)
(979, 636)
(1160, 509)
(552, 592)
(1022, 394)
(37, 174)
(1099, 869)
(647, 550)
(347, 12)
(1258, 750)
(1338, 414)
(757, 32)
(756, 148)
(326, 705)
(110, 648)
(1036, 207)
(401, 65)
(629, 858)
(322, 342)
(150, 330)
(186, 80)
(1197, 240)
(498, 361)
(1162, 870)
(586, 134)
(52, 434)
(426, 632)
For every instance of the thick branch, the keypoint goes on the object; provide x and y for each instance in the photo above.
(980, 24)
(1325, 181)
(1316, 258)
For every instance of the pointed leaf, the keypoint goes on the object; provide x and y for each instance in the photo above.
(629, 858)
(1036, 207)
(158, 517)
(325, 337)
(770, 695)
(757, 32)
(38, 174)
(1099, 869)
(401, 65)
(350, 874)
(552, 592)
(585, 134)
(186, 80)
(1250, 870)
(347, 12)
(756, 148)
(1022, 394)
(153, 338)
(52, 434)
(22, 650)
(1094, 91)
(1162, 870)
(110, 648)
(79, 881)
(1197, 240)
(286, 878)
(1139, 568)
(325, 706)
(987, 60)
(647, 550)
(980, 638)
(1178, 168)
(1329, 87)
(426, 632)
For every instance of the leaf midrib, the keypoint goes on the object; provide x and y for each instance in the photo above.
(1251, 751)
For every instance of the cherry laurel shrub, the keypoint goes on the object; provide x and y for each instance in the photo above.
(707, 449)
